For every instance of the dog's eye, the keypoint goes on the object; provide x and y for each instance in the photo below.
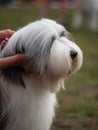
(63, 34)
(66, 34)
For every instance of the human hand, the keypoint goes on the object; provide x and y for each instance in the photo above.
(4, 36)
(7, 33)
(16, 60)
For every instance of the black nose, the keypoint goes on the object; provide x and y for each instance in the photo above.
(73, 54)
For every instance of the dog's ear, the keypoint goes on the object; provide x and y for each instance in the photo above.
(18, 49)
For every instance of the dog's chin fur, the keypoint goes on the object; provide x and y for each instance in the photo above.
(28, 96)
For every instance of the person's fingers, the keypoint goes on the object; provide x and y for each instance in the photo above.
(4, 42)
(6, 34)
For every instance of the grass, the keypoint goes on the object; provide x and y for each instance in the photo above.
(78, 104)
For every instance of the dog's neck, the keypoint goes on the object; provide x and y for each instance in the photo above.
(31, 108)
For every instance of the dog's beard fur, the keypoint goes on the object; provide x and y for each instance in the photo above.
(46, 50)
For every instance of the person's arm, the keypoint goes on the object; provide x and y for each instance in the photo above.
(11, 61)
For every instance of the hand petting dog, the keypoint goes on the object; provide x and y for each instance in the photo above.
(12, 60)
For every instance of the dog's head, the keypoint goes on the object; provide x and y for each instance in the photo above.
(47, 51)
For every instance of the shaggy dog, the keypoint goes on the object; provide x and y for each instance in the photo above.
(86, 9)
(27, 96)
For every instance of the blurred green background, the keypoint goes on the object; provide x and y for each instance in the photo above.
(78, 103)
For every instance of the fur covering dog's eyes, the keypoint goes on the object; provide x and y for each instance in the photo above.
(66, 34)
(53, 39)
(63, 34)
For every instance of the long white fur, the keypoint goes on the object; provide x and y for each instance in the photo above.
(32, 108)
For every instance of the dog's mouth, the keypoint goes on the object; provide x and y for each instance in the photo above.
(73, 67)
(69, 72)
